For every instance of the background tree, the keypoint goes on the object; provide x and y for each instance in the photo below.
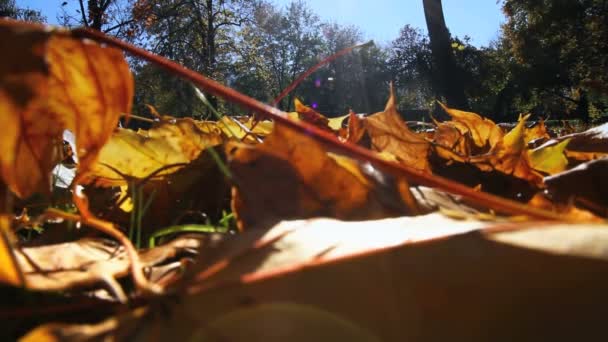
(275, 48)
(119, 18)
(8, 8)
(446, 75)
(411, 68)
(562, 46)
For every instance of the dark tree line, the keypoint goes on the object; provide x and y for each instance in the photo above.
(550, 58)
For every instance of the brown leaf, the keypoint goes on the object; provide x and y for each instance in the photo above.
(484, 133)
(536, 132)
(311, 116)
(91, 262)
(423, 278)
(10, 271)
(390, 134)
(49, 82)
(291, 175)
(587, 181)
(588, 145)
(510, 156)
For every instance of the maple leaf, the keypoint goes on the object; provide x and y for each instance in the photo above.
(390, 134)
(484, 133)
(510, 156)
(291, 175)
(49, 83)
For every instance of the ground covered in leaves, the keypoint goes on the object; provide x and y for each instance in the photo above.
(283, 225)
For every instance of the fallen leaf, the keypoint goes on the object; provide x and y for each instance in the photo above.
(167, 147)
(537, 131)
(549, 159)
(485, 134)
(311, 116)
(588, 145)
(390, 134)
(10, 271)
(313, 273)
(510, 156)
(50, 82)
(93, 262)
(291, 175)
(586, 181)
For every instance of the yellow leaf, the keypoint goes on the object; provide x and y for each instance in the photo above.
(549, 159)
(140, 154)
(539, 130)
(49, 83)
(336, 123)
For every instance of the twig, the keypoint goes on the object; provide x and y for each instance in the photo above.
(480, 198)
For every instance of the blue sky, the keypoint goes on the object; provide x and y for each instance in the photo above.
(378, 19)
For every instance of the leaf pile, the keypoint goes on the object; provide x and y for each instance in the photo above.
(295, 223)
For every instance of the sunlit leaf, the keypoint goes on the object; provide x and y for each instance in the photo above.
(311, 116)
(538, 131)
(390, 134)
(291, 175)
(484, 132)
(139, 154)
(49, 83)
(510, 156)
(549, 159)
(10, 272)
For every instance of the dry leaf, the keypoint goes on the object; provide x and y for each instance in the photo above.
(510, 156)
(311, 116)
(484, 133)
(549, 159)
(49, 83)
(376, 279)
(10, 271)
(586, 181)
(139, 154)
(536, 132)
(291, 175)
(390, 134)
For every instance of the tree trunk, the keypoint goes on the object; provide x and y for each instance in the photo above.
(446, 76)
(582, 108)
(96, 13)
(210, 67)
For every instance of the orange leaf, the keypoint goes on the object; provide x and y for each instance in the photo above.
(50, 82)
(390, 134)
(510, 156)
(311, 116)
(484, 132)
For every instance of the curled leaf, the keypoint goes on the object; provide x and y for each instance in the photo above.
(50, 82)
(484, 132)
(390, 134)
